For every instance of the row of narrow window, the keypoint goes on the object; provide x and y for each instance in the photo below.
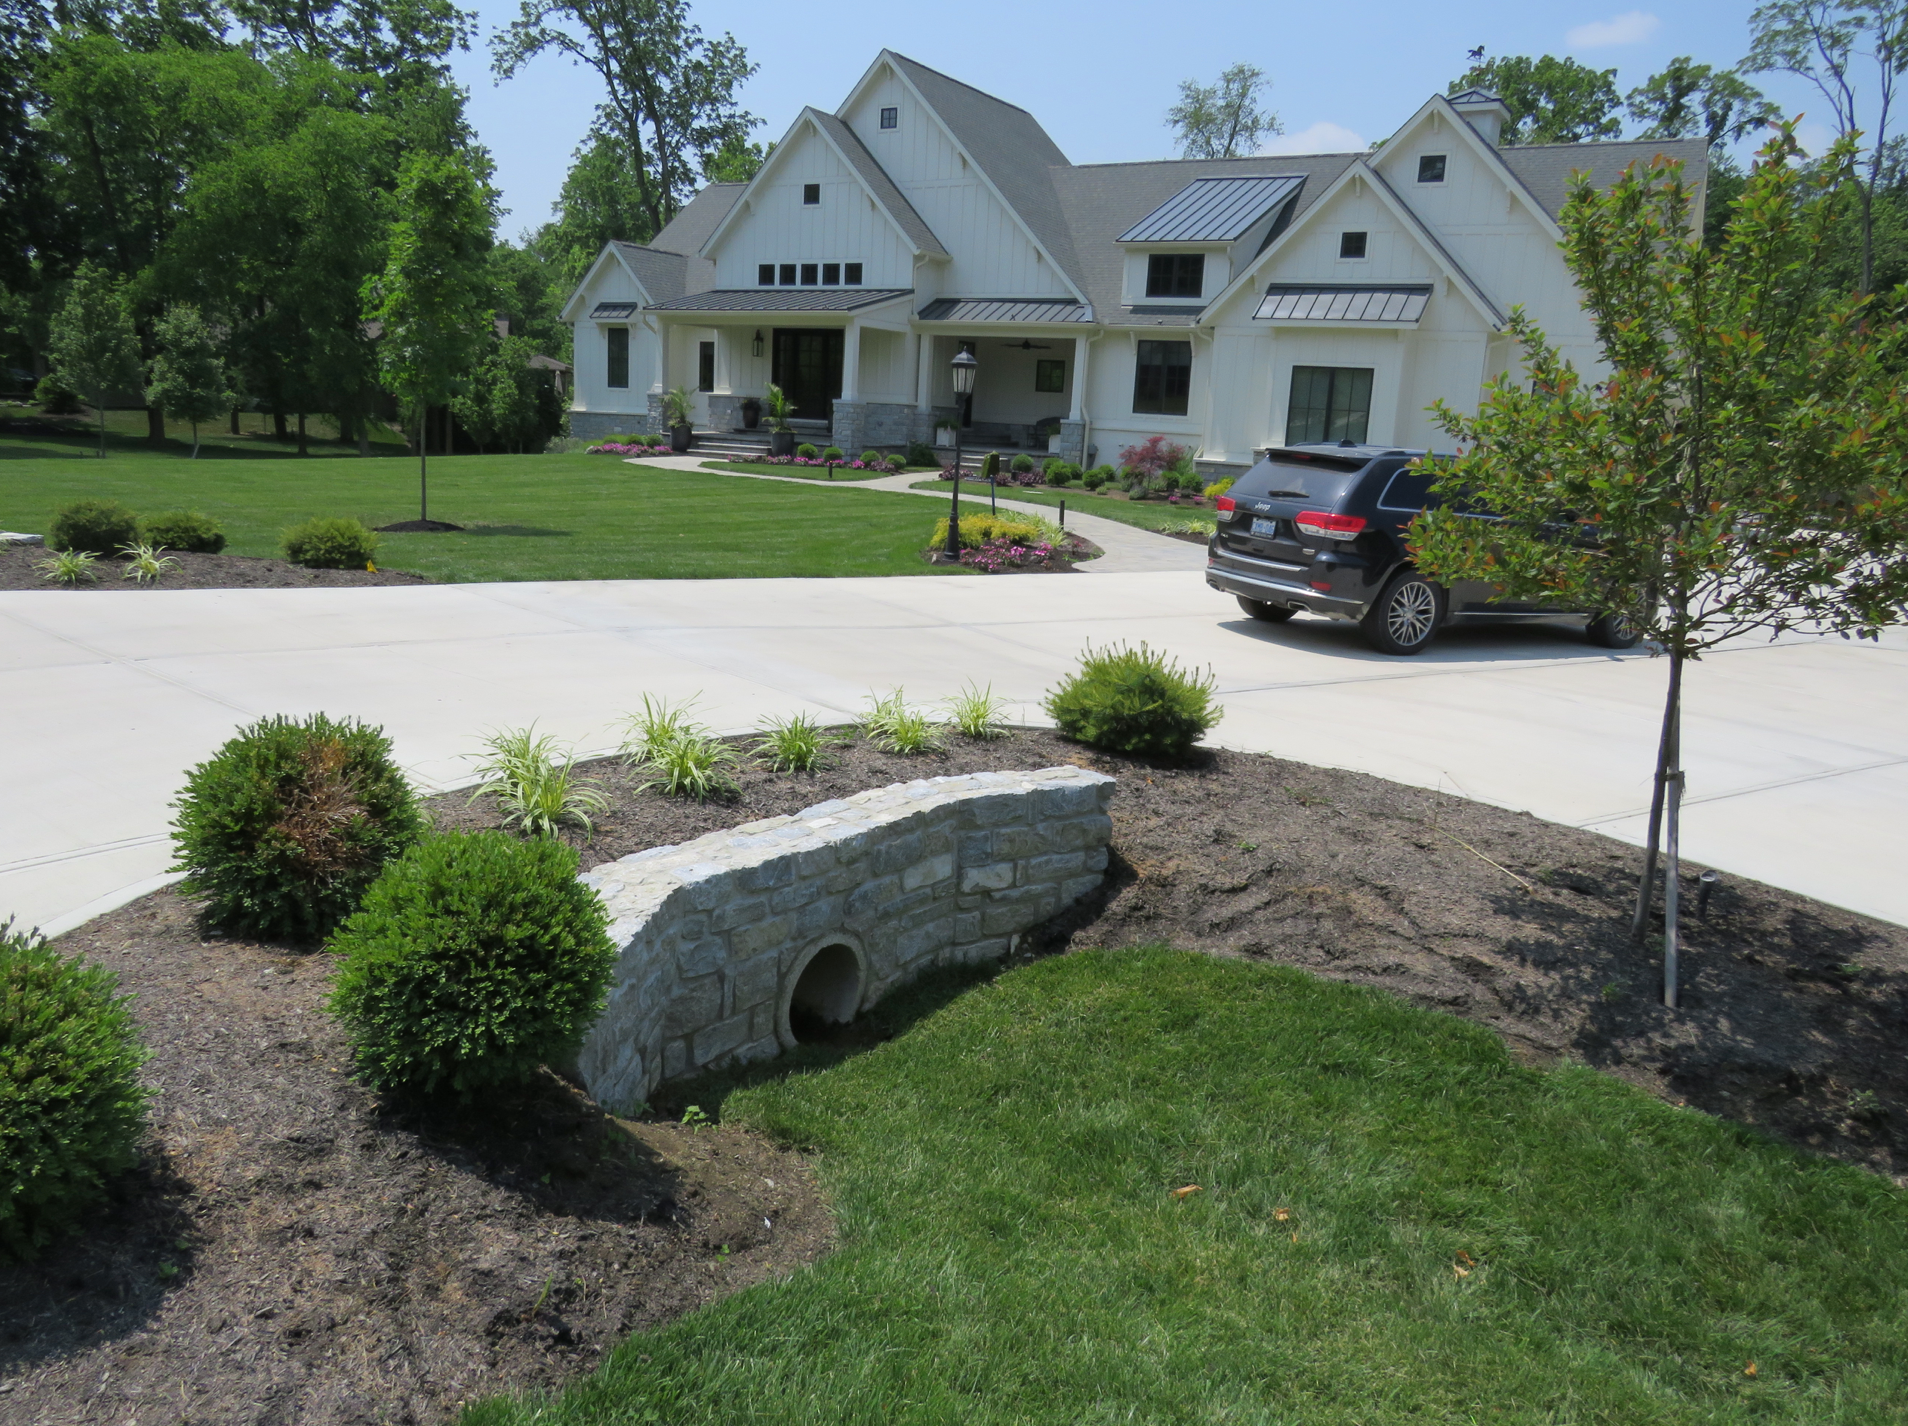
(808, 274)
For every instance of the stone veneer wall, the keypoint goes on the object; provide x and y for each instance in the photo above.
(716, 935)
(594, 425)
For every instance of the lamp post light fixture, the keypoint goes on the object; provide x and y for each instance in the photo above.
(964, 367)
(756, 345)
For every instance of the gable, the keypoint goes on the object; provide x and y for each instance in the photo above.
(609, 279)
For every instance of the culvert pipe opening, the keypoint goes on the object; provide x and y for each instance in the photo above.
(826, 994)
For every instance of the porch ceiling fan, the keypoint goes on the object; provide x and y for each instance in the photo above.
(1028, 346)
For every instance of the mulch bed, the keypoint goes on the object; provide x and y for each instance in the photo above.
(340, 1262)
(19, 569)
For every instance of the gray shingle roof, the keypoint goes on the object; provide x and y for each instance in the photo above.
(1003, 309)
(1545, 169)
(1343, 302)
(782, 299)
(1213, 210)
(876, 177)
(1010, 147)
(662, 274)
(695, 220)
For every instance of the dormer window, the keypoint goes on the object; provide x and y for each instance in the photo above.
(811, 195)
(788, 274)
(1431, 168)
(890, 118)
(811, 274)
(765, 274)
(1176, 275)
(1351, 245)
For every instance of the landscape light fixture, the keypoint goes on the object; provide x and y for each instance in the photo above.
(964, 368)
(756, 345)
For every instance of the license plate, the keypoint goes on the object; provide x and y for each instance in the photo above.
(1268, 529)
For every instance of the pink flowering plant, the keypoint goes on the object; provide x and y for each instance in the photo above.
(885, 467)
(1002, 555)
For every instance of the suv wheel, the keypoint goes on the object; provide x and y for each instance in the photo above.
(1406, 616)
(1271, 613)
(1612, 631)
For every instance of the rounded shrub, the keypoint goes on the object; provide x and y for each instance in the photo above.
(1022, 464)
(1097, 477)
(806, 451)
(99, 527)
(870, 457)
(921, 453)
(71, 1105)
(475, 958)
(184, 530)
(282, 829)
(331, 544)
(1134, 701)
(56, 398)
(833, 453)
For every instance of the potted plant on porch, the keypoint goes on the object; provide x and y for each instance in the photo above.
(945, 430)
(751, 412)
(780, 410)
(679, 413)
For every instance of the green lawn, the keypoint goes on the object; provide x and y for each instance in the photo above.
(527, 517)
(1146, 514)
(126, 439)
(794, 472)
(1394, 1223)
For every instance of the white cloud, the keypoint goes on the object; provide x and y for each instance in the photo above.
(1629, 28)
(1322, 137)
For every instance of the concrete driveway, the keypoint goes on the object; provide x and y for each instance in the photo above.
(1798, 749)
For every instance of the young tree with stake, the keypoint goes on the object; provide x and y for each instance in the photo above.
(189, 382)
(1740, 468)
(93, 346)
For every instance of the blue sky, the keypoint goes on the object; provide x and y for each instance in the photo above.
(1100, 77)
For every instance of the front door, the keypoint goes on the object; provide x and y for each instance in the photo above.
(807, 367)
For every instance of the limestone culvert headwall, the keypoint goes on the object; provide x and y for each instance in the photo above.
(729, 942)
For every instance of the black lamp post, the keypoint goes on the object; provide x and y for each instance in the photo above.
(964, 368)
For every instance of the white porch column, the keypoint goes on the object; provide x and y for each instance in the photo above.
(662, 330)
(851, 362)
(924, 372)
(1079, 379)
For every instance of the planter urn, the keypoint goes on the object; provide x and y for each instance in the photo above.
(679, 439)
(782, 443)
(751, 413)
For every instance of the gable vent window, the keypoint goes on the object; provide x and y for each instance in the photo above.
(1351, 244)
(851, 274)
(811, 194)
(788, 274)
(1431, 168)
(618, 338)
(765, 275)
(1175, 274)
(890, 118)
(831, 274)
(811, 274)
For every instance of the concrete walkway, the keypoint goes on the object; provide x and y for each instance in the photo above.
(1798, 751)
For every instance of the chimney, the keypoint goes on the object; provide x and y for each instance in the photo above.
(1484, 112)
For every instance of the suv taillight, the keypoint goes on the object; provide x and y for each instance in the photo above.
(1321, 526)
(1225, 505)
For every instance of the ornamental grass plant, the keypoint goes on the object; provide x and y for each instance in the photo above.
(71, 1104)
(797, 743)
(536, 786)
(975, 712)
(688, 760)
(894, 727)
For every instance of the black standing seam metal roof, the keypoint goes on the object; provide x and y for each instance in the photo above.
(782, 299)
(1213, 210)
(1003, 309)
(607, 311)
(1342, 302)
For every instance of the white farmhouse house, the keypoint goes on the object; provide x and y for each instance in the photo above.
(1227, 304)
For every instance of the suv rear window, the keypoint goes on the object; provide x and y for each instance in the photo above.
(1409, 490)
(1298, 477)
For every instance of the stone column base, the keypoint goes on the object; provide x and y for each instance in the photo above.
(594, 425)
(1070, 444)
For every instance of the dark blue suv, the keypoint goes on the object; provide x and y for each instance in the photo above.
(1322, 528)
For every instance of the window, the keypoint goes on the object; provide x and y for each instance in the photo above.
(1409, 490)
(1175, 274)
(705, 366)
(1329, 403)
(1163, 379)
(788, 274)
(1351, 244)
(831, 274)
(851, 274)
(890, 118)
(618, 355)
(1431, 168)
(765, 274)
(811, 274)
(811, 194)
(1050, 374)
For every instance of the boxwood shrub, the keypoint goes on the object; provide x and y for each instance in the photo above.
(1134, 701)
(833, 453)
(283, 828)
(475, 958)
(71, 1105)
(100, 527)
(806, 451)
(184, 530)
(331, 544)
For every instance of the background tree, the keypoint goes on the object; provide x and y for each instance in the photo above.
(601, 202)
(505, 402)
(671, 90)
(1222, 120)
(1552, 101)
(189, 381)
(93, 346)
(1741, 467)
(432, 300)
(1689, 101)
(737, 161)
(1853, 55)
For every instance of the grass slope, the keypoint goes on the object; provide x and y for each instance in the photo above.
(1146, 514)
(1395, 1223)
(527, 517)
